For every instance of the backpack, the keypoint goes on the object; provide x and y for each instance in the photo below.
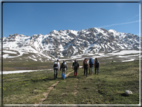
(75, 65)
(64, 65)
(91, 62)
(55, 64)
(96, 64)
(85, 63)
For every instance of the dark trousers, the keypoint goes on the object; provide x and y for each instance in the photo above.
(96, 70)
(55, 73)
(86, 71)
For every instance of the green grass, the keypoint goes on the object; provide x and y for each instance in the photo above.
(27, 88)
(106, 88)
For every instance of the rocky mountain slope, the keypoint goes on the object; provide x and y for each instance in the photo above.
(67, 43)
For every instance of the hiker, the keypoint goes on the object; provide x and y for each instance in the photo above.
(96, 64)
(75, 67)
(86, 66)
(56, 66)
(63, 67)
(83, 66)
(91, 64)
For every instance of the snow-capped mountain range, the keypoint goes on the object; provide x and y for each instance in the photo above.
(68, 43)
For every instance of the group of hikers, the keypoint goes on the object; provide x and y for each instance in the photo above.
(88, 64)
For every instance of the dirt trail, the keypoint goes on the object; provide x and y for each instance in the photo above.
(48, 91)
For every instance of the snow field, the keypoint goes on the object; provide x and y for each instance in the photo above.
(21, 71)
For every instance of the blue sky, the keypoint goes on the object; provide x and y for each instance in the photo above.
(42, 18)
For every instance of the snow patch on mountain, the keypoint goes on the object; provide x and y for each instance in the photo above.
(10, 52)
(5, 55)
(32, 58)
(124, 52)
(128, 60)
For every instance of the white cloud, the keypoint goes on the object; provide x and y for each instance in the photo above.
(119, 24)
(133, 17)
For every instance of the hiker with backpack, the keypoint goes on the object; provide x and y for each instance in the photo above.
(56, 66)
(86, 66)
(63, 68)
(75, 67)
(96, 64)
(91, 64)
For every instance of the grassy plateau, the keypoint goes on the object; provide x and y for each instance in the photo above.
(107, 87)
